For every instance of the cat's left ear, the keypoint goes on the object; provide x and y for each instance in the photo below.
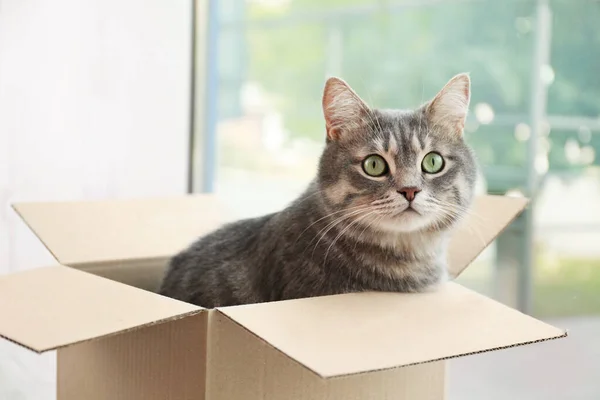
(448, 110)
(343, 109)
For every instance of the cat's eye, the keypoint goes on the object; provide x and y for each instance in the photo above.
(432, 163)
(375, 166)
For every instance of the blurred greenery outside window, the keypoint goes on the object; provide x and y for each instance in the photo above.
(275, 55)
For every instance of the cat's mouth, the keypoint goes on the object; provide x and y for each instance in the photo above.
(404, 219)
(410, 210)
(408, 213)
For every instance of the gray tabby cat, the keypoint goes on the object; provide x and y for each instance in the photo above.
(391, 185)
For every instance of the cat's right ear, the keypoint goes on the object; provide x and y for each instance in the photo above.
(447, 112)
(343, 109)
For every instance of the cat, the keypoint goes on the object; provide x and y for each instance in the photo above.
(391, 185)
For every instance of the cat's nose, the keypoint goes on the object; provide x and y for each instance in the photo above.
(409, 193)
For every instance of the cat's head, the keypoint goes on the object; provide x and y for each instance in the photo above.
(397, 170)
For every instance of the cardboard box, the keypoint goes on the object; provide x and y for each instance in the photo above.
(117, 341)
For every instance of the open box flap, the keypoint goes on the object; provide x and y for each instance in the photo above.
(48, 308)
(489, 216)
(356, 333)
(79, 233)
(104, 232)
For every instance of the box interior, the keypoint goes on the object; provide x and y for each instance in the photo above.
(129, 241)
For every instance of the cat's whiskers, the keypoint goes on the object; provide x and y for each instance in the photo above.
(463, 210)
(367, 226)
(447, 210)
(330, 215)
(339, 219)
(336, 222)
(453, 206)
(357, 220)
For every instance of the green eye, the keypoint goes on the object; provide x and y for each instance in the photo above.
(375, 165)
(432, 163)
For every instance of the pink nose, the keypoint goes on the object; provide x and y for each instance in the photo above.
(409, 193)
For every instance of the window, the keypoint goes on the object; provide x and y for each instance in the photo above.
(534, 123)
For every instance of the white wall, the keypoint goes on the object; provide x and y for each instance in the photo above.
(93, 104)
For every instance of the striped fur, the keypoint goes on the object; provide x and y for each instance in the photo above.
(348, 232)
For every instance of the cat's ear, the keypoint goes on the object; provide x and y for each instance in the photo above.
(343, 109)
(448, 110)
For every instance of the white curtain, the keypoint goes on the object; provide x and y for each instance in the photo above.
(94, 104)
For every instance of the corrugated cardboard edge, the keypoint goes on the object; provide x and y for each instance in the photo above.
(135, 328)
(519, 344)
